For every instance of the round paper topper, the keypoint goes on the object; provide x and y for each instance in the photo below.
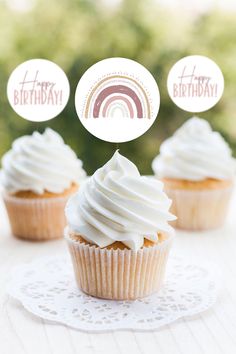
(117, 100)
(38, 90)
(195, 83)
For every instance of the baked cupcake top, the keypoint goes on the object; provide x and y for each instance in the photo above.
(117, 204)
(40, 162)
(195, 153)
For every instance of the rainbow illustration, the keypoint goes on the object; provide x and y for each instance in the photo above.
(117, 95)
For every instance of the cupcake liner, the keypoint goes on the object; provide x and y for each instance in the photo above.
(36, 219)
(199, 209)
(118, 274)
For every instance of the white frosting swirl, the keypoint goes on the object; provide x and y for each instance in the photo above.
(195, 153)
(117, 204)
(40, 162)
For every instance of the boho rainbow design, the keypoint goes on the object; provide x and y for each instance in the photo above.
(117, 93)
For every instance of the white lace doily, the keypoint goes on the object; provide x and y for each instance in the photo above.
(47, 288)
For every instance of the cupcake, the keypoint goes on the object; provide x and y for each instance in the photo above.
(38, 176)
(118, 232)
(197, 168)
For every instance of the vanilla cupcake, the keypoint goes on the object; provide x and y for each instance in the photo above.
(38, 175)
(197, 168)
(118, 232)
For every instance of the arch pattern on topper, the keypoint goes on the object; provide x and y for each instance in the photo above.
(117, 94)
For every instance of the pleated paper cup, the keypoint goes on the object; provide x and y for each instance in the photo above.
(199, 209)
(119, 274)
(36, 219)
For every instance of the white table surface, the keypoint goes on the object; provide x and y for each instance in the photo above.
(211, 332)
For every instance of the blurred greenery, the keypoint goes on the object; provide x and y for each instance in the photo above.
(78, 33)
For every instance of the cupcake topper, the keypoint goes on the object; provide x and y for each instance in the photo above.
(195, 83)
(117, 100)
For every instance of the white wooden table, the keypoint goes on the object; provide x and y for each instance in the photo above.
(211, 332)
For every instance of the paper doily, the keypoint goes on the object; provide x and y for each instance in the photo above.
(47, 288)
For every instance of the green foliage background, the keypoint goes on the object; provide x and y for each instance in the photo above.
(78, 33)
